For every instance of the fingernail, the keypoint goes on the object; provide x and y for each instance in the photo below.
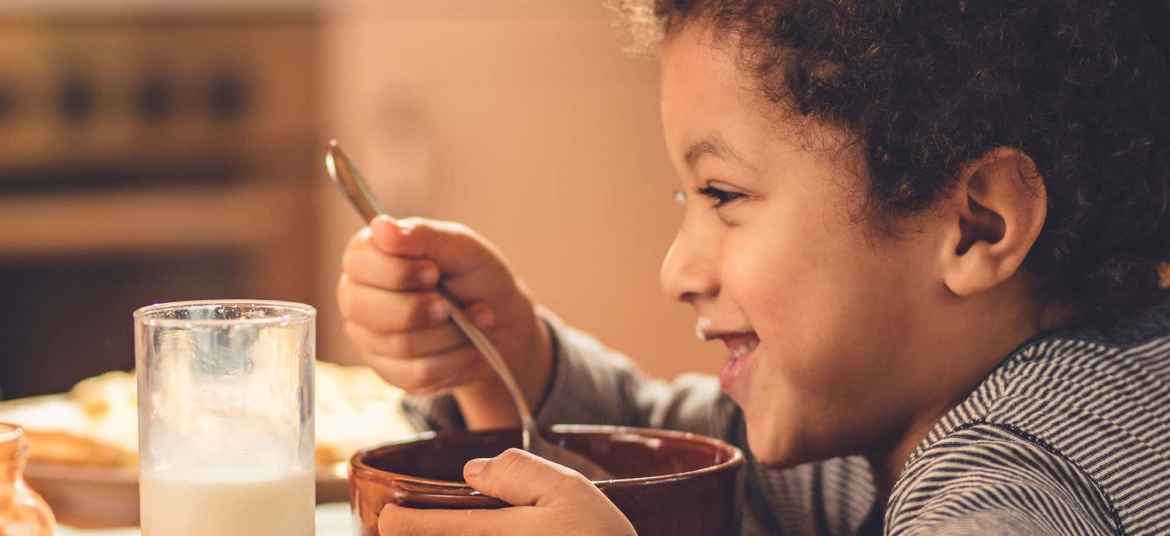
(385, 221)
(474, 467)
(437, 311)
(404, 227)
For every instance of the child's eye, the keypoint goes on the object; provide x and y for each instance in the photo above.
(721, 197)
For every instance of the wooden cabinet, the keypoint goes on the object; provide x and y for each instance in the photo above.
(147, 158)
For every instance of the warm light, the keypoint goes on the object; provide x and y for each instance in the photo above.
(341, 470)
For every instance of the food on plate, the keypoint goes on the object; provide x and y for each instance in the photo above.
(96, 422)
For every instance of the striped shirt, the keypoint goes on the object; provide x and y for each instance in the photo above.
(1069, 435)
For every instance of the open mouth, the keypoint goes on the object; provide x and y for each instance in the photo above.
(741, 346)
(740, 349)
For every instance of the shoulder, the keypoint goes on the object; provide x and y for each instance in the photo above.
(1072, 431)
(984, 479)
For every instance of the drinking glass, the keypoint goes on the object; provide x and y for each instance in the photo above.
(225, 409)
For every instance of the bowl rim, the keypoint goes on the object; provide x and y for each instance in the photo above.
(456, 487)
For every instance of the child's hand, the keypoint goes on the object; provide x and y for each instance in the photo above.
(547, 498)
(396, 317)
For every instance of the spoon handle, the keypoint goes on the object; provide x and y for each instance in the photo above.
(355, 188)
(485, 347)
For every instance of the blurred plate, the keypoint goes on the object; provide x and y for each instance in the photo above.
(84, 443)
(98, 497)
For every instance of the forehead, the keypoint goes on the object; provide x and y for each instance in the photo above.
(707, 99)
(709, 90)
(702, 76)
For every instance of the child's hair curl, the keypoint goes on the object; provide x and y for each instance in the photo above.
(1080, 86)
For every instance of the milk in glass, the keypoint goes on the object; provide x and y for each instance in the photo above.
(182, 507)
(225, 399)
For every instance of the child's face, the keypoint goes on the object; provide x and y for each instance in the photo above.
(830, 322)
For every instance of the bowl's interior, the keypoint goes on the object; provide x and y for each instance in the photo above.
(625, 453)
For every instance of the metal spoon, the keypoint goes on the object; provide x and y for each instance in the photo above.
(347, 177)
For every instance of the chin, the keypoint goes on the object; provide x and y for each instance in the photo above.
(774, 452)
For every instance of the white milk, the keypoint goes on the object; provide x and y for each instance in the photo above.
(277, 507)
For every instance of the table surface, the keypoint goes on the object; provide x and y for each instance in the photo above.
(333, 519)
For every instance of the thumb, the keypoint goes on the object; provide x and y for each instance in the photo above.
(520, 478)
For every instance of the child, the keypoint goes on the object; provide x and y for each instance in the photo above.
(930, 236)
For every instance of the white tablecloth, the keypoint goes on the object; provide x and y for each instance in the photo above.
(332, 520)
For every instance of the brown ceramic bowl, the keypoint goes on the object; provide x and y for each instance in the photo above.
(666, 482)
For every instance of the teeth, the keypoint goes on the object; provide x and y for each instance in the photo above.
(741, 350)
(701, 326)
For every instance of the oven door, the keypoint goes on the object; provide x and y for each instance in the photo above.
(65, 319)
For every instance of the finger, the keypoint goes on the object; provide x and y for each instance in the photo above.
(455, 247)
(437, 373)
(371, 267)
(383, 310)
(418, 342)
(523, 479)
(472, 270)
(396, 520)
(406, 344)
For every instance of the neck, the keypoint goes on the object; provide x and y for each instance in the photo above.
(886, 465)
(956, 362)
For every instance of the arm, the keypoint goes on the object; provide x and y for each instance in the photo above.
(591, 384)
(988, 504)
(995, 486)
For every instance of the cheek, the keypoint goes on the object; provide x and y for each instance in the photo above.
(796, 295)
(828, 326)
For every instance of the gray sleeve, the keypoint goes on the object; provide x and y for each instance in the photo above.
(595, 385)
(999, 523)
(1027, 511)
(592, 384)
(978, 481)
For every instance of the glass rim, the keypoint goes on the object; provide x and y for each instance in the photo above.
(292, 312)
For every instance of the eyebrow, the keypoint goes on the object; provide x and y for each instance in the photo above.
(711, 146)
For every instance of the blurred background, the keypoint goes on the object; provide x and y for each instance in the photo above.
(159, 150)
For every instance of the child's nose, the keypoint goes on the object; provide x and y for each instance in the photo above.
(687, 273)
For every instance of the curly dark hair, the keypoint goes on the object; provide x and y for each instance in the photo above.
(1080, 86)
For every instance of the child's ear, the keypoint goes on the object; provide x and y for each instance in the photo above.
(993, 217)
